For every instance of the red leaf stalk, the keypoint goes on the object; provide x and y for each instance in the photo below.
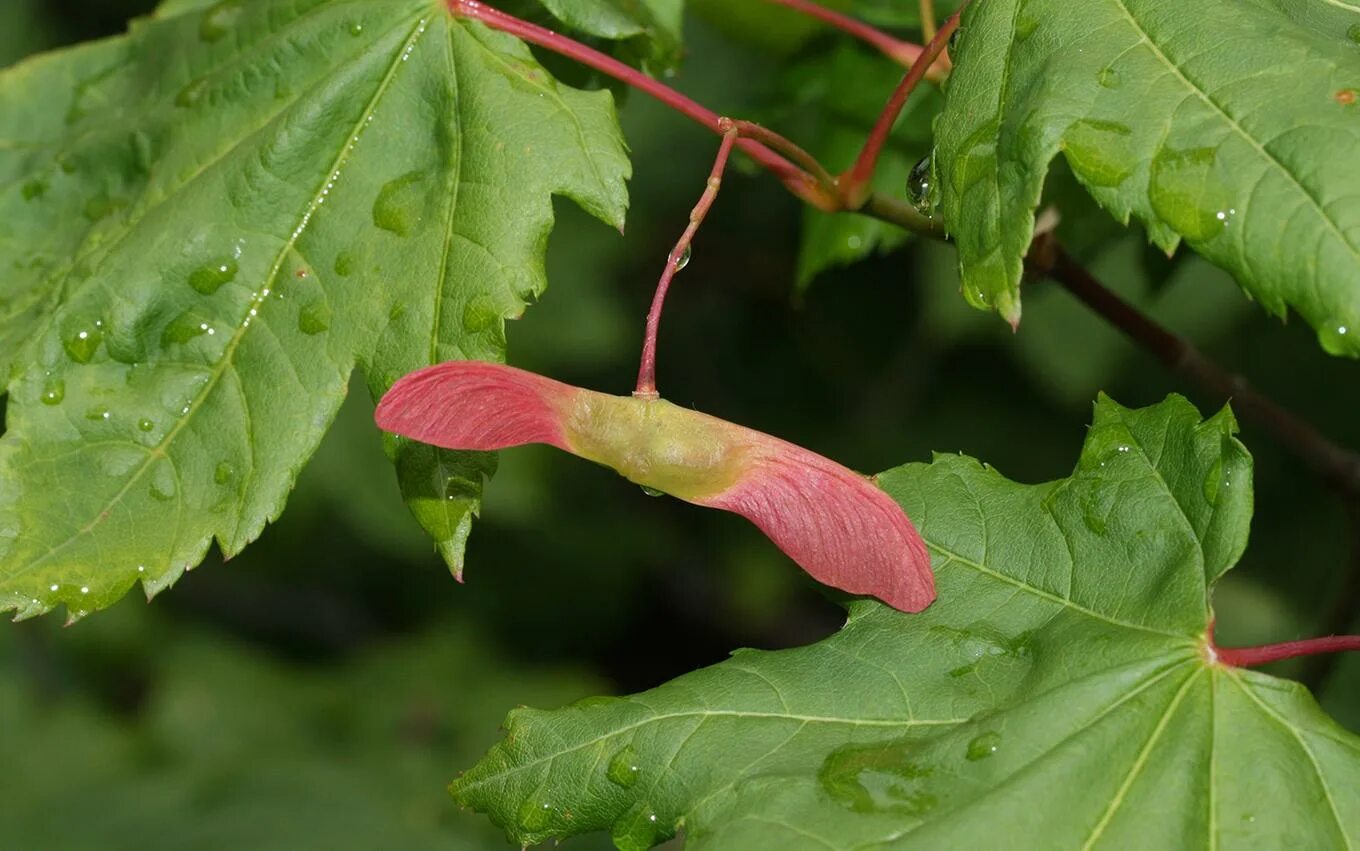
(679, 256)
(855, 187)
(795, 179)
(1250, 657)
(902, 52)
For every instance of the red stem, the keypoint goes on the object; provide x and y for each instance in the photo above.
(855, 182)
(1247, 657)
(799, 182)
(646, 382)
(902, 52)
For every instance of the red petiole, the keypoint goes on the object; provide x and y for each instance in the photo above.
(855, 183)
(679, 256)
(1250, 657)
(798, 181)
(902, 52)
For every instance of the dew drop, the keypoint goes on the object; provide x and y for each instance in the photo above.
(163, 486)
(918, 183)
(224, 473)
(983, 746)
(35, 188)
(1109, 78)
(652, 491)
(636, 829)
(84, 589)
(683, 260)
(314, 318)
(623, 768)
(1213, 480)
(395, 208)
(192, 93)
(209, 278)
(98, 412)
(83, 342)
(1093, 516)
(1025, 26)
(344, 264)
(1101, 151)
(1187, 193)
(54, 390)
(219, 20)
(54, 588)
(145, 424)
(184, 328)
(356, 29)
(534, 814)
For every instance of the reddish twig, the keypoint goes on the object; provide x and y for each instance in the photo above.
(902, 52)
(1250, 657)
(798, 181)
(855, 182)
(676, 260)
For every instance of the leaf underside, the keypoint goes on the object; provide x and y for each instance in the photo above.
(228, 212)
(1230, 125)
(1058, 694)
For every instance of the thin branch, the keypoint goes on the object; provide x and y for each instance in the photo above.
(855, 182)
(676, 260)
(797, 181)
(904, 53)
(1344, 610)
(1249, 657)
(1338, 467)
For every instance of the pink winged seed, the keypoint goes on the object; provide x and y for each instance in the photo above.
(833, 522)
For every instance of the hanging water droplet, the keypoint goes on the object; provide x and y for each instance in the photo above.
(623, 768)
(683, 260)
(209, 278)
(54, 390)
(652, 491)
(983, 746)
(1336, 337)
(918, 183)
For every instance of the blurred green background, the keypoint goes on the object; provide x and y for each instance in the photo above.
(320, 690)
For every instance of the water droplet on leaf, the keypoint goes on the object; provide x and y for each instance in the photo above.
(314, 318)
(623, 768)
(1109, 78)
(344, 264)
(683, 260)
(1187, 193)
(145, 424)
(98, 412)
(983, 746)
(209, 278)
(395, 209)
(34, 188)
(534, 814)
(356, 29)
(184, 328)
(54, 390)
(636, 829)
(191, 93)
(163, 487)
(219, 20)
(1101, 151)
(1354, 33)
(224, 473)
(652, 491)
(83, 342)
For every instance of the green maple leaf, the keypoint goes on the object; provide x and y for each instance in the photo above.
(207, 224)
(655, 23)
(1229, 125)
(1060, 693)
